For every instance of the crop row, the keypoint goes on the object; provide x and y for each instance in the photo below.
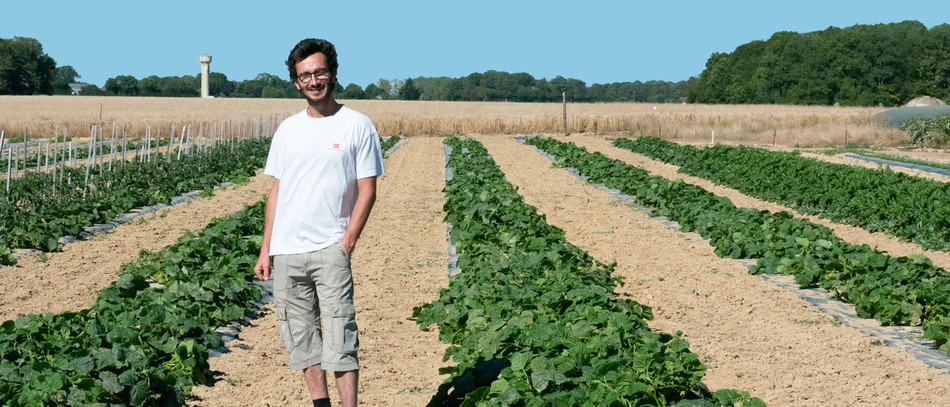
(881, 200)
(146, 338)
(42, 207)
(534, 320)
(22, 160)
(388, 143)
(893, 290)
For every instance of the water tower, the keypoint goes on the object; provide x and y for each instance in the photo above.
(205, 67)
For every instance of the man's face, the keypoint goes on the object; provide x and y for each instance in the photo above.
(315, 88)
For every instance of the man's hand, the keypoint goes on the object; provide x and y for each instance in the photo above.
(262, 269)
(349, 243)
(364, 204)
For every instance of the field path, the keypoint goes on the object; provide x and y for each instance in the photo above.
(400, 263)
(751, 335)
(71, 279)
(842, 159)
(933, 155)
(852, 234)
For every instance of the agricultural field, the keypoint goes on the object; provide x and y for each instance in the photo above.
(724, 327)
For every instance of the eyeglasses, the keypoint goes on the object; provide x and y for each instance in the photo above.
(319, 74)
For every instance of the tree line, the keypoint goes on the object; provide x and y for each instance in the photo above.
(861, 65)
(26, 70)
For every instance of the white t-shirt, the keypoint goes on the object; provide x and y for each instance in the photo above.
(318, 162)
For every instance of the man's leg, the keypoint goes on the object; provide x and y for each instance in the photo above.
(316, 379)
(341, 338)
(346, 384)
(299, 317)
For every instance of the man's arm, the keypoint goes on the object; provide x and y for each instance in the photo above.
(262, 269)
(361, 210)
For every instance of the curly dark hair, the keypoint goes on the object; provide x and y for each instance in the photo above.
(308, 47)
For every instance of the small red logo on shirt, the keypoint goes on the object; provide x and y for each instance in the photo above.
(336, 145)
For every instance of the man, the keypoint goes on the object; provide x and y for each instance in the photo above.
(324, 161)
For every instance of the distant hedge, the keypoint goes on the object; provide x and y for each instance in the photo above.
(861, 65)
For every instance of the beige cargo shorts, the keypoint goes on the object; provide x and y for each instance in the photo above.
(315, 287)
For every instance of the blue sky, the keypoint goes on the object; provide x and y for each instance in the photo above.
(594, 41)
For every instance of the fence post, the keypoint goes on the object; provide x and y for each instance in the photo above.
(181, 141)
(26, 142)
(2, 135)
(564, 105)
(46, 159)
(171, 142)
(92, 140)
(125, 143)
(55, 157)
(112, 147)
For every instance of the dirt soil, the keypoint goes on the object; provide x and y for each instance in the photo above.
(752, 335)
(842, 159)
(933, 155)
(400, 263)
(853, 234)
(71, 279)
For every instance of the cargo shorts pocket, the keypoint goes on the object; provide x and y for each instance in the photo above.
(344, 338)
(346, 256)
(286, 335)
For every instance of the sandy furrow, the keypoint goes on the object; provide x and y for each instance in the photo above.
(751, 335)
(935, 155)
(849, 233)
(842, 159)
(71, 279)
(400, 263)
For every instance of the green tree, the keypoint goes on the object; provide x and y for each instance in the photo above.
(372, 91)
(934, 66)
(265, 85)
(433, 88)
(62, 77)
(408, 91)
(181, 86)
(122, 85)
(91, 90)
(218, 84)
(352, 91)
(24, 68)
(151, 86)
(386, 88)
(884, 64)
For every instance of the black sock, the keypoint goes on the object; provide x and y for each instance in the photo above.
(322, 403)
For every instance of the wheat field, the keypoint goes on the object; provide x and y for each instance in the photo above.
(40, 116)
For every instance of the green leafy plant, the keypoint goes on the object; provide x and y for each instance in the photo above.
(893, 290)
(36, 216)
(146, 338)
(928, 131)
(881, 200)
(534, 320)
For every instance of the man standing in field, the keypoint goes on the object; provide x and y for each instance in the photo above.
(324, 161)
